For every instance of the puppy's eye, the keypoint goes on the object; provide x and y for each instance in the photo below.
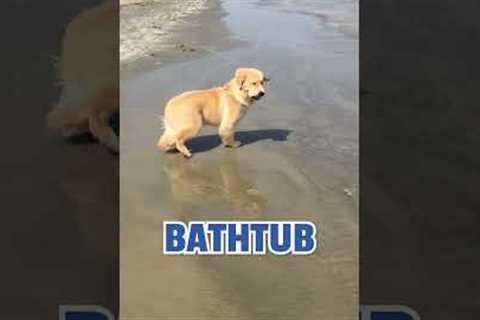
(254, 83)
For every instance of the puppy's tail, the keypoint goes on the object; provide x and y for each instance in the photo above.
(167, 140)
(163, 142)
(161, 117)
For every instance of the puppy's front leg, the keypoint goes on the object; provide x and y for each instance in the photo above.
(227, 134)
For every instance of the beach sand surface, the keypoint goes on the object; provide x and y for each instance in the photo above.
(149, 31)
(299, 161)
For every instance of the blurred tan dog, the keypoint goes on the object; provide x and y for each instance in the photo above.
(89, 76)
(222, 106)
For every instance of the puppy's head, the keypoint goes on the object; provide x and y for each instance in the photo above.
(250, 83)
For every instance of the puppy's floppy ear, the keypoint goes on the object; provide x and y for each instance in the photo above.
(240, 77)
(266, 79)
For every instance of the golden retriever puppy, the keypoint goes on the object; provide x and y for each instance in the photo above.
(89, 76)
(222, 106)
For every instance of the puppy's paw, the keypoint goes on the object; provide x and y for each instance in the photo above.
(186, 153)
(233, 145)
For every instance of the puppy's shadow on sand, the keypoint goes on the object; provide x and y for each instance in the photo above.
(208, 142)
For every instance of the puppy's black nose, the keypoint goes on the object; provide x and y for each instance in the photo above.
(261, 94)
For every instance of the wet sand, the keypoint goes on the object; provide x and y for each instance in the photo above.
(155, 33)
(298, 162)
(145, 26)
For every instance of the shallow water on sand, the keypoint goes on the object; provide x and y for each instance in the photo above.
(298, 162)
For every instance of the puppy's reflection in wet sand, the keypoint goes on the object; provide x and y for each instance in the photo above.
(213, 187)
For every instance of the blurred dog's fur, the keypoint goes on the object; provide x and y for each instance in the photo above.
(222, 106)
(88, 71)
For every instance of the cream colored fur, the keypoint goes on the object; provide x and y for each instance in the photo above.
(222, 106)
(88, 71)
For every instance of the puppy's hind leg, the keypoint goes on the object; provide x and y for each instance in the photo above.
(180, 145)
(182, 137)
(100, 108)
(100, 128)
